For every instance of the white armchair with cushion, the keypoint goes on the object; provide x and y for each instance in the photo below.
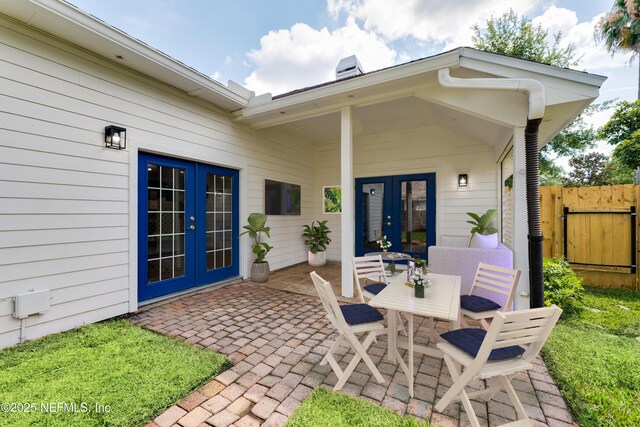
(455, 258)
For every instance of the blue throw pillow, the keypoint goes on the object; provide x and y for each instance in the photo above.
(355, 314)
(375, 288)
(469, 340)
(477, 304)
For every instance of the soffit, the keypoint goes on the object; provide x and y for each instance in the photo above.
(398, 115)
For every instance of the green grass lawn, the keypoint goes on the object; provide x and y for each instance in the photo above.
(331, 409)
(416, 236)
(132, 374)
(595, 359)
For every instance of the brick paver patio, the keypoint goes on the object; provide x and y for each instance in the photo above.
(276, 340)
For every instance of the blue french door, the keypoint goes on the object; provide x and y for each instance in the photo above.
(401, 207)
(187, 225)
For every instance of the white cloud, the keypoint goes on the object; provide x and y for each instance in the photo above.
(447, 22)
(216, 76)
(594, 55)
(302, 56)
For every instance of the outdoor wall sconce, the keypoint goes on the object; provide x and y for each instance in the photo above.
(463, 180)
(372, 191)
(115, 137)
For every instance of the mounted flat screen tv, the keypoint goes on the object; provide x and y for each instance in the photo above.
(281, 198)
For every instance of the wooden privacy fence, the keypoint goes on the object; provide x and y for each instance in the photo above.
(596, 229)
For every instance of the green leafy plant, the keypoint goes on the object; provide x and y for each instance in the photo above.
(256, 227)
(561, 286)
(481, 223)
(316, 237)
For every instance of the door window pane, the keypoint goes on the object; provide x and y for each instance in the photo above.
(218, 224)
(166, 227)
(372, 215)
(153, 271)
(414, 216)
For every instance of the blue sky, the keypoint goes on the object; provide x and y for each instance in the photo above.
(280, 45)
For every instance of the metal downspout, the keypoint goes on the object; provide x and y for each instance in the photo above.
(535, 92)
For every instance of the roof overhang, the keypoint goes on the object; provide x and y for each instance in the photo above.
(567, 93)
(69, 23)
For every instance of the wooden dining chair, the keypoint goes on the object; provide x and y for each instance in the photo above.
(511, 344)
(491, 283)
(369, 275)
(349, 321)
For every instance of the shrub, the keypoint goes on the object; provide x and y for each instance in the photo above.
(561, 286)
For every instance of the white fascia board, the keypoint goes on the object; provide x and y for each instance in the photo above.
(449, 59)
(153, 62)
(530, 66)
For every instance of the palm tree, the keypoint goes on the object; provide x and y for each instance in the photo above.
(620, 29)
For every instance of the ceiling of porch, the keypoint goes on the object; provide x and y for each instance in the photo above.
(395, 115)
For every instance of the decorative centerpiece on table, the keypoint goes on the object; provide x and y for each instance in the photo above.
(384, 244)
(419, 280)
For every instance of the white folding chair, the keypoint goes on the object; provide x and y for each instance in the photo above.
(349, 320)
(490, 283)
(369, 274)
(369, 269)
(510, 345)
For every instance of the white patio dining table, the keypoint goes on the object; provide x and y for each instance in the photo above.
(441, 301)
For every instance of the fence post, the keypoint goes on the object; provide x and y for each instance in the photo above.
(637, 223)
(558, 232)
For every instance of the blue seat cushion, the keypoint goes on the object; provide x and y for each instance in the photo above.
(477, 304)
(469, 340)
(356, 314)
(375, 288)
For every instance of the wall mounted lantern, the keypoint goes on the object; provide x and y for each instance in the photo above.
(115, 137)
(463, 180)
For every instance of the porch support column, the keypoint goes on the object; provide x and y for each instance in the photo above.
(520, 239)
(347, 217)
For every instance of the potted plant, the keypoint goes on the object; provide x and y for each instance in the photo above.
(257, 225)
(316, 237)
(482, 234)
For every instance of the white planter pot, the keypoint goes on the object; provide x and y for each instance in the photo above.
(317, 259)
(484, 241)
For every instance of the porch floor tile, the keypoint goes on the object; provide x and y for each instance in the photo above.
(276, 335)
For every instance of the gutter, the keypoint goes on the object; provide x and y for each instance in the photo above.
(536, 96)
(532, 88)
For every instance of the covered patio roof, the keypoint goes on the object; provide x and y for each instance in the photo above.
(409, 96)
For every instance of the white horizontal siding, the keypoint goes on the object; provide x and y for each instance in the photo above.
(83, 305)
(66, 202)
(425, 150)
(31, 221)
(17, 255)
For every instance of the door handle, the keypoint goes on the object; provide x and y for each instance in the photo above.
(389, 223)
(193, 227)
